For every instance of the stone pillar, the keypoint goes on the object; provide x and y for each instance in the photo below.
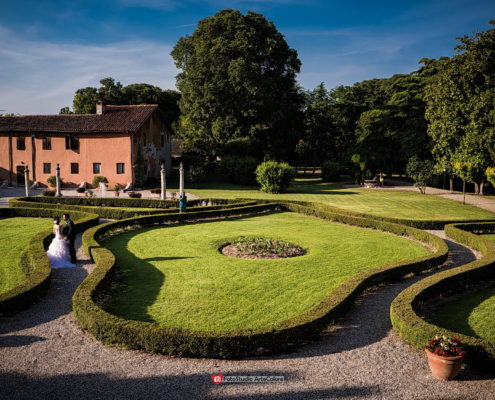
(163, 181)
(58, 193)
(26, 180)
(181, 180)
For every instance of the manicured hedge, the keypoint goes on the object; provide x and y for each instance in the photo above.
(406, 307)
(111, 329)
(108, 208)
(419, 224)
(34, 260)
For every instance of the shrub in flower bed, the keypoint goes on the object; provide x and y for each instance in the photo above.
(133, 334)
(406, 309)
(34, 260)
(274, 177)
(48, 193)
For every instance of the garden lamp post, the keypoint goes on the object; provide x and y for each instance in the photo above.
(182, 195)
(58, 193)
(26, 180)
(163, 181)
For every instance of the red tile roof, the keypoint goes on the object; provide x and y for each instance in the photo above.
(114, 119)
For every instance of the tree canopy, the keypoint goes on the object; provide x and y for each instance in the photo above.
(461, 107)
(237, 80)
(137, 93)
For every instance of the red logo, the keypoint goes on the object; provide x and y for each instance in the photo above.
(217, 378)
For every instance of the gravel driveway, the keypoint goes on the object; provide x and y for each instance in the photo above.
(45, 354)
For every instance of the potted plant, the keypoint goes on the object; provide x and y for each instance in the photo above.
(445, 356)
(117, 188)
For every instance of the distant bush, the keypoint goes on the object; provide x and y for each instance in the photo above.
(52, 181)
(274, 177)
(330, 171)
(80, 190)
(195, 173)
(99, 179)
(135, 195)
(50, 193)
(156, 191)
(239, 169)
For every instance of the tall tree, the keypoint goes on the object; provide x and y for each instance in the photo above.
(461, 106)
(238, 80)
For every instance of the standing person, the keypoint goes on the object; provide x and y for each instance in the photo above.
(70, 235)
(58, 253)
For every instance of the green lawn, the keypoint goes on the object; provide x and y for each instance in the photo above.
(15, 234)
(395, 204)
(176, 276)
(472, 314)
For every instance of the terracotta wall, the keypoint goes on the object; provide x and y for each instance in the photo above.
(107, 149)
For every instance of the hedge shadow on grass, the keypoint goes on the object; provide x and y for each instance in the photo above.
(278, 338)
(406, 309)
(34, 261)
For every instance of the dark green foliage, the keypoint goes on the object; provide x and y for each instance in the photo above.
(137, 93)
(195, 172)
(237, 80)
(460, 106)
(97, 179)
(406, 307)
(48, 193)
(274, 177)
(34, 260)
(52, 181)
(80, 190)
(118, 208)
(330, 171)
(161, 339)
(135, 195)
(240, 147)
(239, 169)
(420, 171)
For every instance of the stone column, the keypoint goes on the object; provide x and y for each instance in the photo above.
(58, 193)
(181, 180)
(26, 180)
(163, 180)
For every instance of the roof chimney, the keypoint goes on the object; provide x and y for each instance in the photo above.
(100, 107)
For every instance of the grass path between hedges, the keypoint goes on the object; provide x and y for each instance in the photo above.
(386, 203)
(15, 234)
(176, 276)
(472, 314)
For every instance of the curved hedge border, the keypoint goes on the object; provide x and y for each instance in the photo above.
(34, 261)
(414, 329)
(109, 208)
(419, 224)
(111, 329)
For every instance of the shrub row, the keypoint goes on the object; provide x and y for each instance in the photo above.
(180, 342)
(34, 260)
(108, 211)
(405, 308)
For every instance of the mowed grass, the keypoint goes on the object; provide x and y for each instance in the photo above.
(472, 314)
(176, 276)
(15, 235)
(384, 203)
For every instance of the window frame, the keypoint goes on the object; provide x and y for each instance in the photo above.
(74, 168)
(117, 168)
(99, 168)
(47, 170)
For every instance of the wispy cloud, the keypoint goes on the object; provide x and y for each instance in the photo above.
(41, 77)
(168, 5)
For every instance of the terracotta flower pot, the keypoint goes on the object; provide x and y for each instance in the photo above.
(445, 368)
(117, 194)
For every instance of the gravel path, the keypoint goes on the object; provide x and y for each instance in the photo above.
(45, 354)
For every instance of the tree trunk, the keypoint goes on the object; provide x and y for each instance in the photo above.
(464, 192)
(482, 188)
(476, 188)
(451, 180)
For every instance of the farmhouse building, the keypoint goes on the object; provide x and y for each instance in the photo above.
(125, 144)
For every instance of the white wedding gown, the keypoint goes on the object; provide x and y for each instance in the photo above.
(58, 251)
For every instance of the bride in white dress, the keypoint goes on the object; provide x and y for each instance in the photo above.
(58, 251)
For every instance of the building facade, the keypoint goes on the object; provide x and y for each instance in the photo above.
(125, 144)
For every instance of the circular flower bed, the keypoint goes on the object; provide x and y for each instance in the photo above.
(260, 247)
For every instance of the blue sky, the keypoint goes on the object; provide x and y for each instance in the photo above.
(49, 49)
